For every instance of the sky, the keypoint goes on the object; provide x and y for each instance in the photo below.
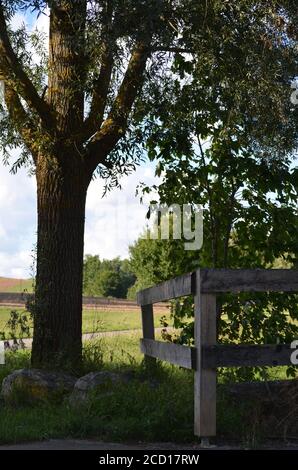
(112, 222)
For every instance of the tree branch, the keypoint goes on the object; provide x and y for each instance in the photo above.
(22, 121)
(232, 201)
(15, 77)
(99, 98)
(115, 125)
(101, 85)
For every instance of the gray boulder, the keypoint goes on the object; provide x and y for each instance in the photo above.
(34, 385)
(95, 382)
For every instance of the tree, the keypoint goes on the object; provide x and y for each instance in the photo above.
(155, 260)
(107, 277)
(213, 156)
(91, 275)
(127, 279)
(82, 110)
(250, 221)
(98, 51)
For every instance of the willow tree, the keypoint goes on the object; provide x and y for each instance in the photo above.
(97, 55)
(81, 109)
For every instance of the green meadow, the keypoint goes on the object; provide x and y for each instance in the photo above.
(97, 320)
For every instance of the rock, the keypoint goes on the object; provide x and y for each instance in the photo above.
(95, 381)
(34, 385)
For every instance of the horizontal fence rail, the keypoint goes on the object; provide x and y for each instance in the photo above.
(222, 280)
(249, 280)
(176, 354)
(228, 355)
(231, 355)
(179, 287)
(208, 355)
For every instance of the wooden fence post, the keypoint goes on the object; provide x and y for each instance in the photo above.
(205, 379)
(148, 330)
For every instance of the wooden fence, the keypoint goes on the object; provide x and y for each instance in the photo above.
(207, 355)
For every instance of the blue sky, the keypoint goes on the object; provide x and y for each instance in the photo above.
(112, 223)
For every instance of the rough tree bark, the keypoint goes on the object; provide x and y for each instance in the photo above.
(61, 196)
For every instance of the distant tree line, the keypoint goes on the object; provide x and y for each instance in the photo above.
(107, 278)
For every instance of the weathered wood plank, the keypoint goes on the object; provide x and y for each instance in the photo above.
(223, 280)
(177, 287)
(246, 355)
(220, 355)
(204, 378)
(179, 355)
(147, 321)
(249, 280)
(148, 330)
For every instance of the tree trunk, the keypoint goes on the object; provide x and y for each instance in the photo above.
(61, 197)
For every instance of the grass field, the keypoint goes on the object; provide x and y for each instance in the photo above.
(98, 320)
(156, 406)
(147, 408)
(15, 285)
(150, 408)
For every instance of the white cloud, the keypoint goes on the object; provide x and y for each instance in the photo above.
(17, 265)
(17, 21)
(42, 23)
(112, 222)
(17, 222)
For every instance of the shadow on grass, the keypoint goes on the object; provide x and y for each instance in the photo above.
(150, 406)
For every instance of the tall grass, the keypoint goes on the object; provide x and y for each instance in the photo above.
(155, 405)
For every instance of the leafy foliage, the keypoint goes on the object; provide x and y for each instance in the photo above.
(220, 146)
(107, 278)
